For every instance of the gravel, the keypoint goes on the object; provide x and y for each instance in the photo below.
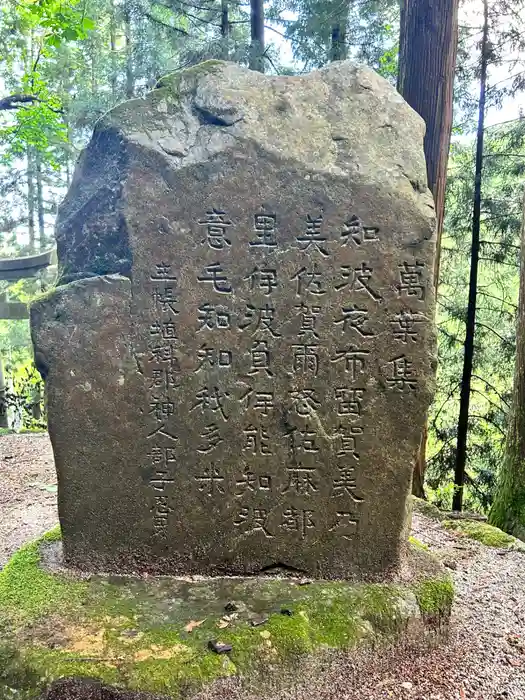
(27, 482)
(484, 658)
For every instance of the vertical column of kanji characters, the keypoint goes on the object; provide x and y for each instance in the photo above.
(358, 299)
(254, 487)
(211, 405)
(406, 325)
(161, 371)
(302, 486)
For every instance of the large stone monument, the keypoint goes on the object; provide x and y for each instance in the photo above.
(240, 356)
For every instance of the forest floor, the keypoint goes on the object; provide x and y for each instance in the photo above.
(27, 490)
(484, 658)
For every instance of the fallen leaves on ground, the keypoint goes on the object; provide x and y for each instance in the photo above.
(192, 624)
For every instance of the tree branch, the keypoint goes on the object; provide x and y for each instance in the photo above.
(152, 18)
(17, 101)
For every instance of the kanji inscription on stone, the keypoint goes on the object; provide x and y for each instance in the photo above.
(240, 354)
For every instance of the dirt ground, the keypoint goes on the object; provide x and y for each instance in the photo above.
(484, 658)
(27, 490)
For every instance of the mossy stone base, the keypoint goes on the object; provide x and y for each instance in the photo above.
(151, 635)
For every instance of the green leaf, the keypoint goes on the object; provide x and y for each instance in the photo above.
(70, 34)
(52, 40)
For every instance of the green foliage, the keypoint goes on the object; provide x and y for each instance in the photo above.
(371, 31)
(35, 30)
(25, 395)
(25, 389)
(495, 329)
(58, 21)
(37, 125)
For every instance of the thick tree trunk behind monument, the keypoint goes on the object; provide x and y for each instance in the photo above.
(40, 202)
(427, 61)
(338, 46)
(257, 35)
(225, 30)
(113, 50)
(31, 199)
(130, 78)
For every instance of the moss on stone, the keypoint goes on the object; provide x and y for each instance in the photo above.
(172, 80)
(133, 632)
(435, 596)
(27, 592)
(483, 532)
(428, 509)
(417, 544)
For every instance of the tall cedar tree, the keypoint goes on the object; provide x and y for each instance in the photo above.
(427, 62)
(508, 508)
(468, 358)
(257, 35)
(338, 46)
(225, 30)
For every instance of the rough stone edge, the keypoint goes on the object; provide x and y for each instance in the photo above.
(113, 127)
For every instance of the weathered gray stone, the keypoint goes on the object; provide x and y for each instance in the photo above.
(252, 397)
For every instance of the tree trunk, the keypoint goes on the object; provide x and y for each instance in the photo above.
(36, 402)
(508, 508)
(68, 172)
(257, 35)
(338, 45)
(464, 402)
(113, 50)
(225, 30)
(3, 403)
(427, 63)
(93, 65)
(42, 243)
(130, 80)
(31, 199)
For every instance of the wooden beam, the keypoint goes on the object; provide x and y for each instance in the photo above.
(29, 266)
(13, 310)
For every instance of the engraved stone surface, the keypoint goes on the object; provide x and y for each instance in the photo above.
(240, 361)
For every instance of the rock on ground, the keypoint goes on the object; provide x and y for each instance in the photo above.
(485, 656)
